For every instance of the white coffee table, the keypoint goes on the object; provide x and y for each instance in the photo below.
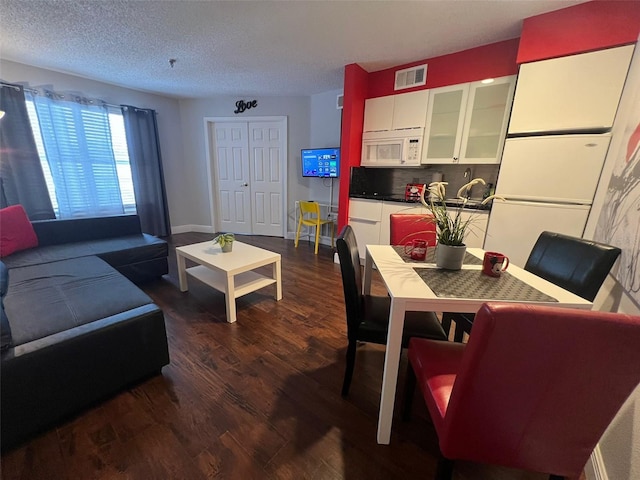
(230, 272)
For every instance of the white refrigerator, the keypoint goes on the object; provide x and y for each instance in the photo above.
(548, 183)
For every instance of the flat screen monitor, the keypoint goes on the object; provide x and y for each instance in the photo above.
(321, 162)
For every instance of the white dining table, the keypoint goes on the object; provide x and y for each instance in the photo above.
(410, 292)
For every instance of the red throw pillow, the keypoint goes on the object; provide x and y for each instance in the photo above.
(16, 231)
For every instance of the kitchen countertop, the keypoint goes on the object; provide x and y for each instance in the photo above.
(472, 204)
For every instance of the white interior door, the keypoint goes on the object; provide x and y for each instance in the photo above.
(233, 175)
(247, 160)
(267, 164)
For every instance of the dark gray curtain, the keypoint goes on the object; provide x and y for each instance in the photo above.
(21, 177)
(141, 128)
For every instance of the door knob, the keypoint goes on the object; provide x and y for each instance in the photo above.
(244, 185)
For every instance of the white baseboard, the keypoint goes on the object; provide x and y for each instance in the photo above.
(595, 469)
(207, 229)
(192, 228)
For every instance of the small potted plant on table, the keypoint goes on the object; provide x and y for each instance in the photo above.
(225, 240)
(451, 227)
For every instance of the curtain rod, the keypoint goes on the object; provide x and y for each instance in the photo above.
(36, 92)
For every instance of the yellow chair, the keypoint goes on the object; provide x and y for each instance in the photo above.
(310, 217)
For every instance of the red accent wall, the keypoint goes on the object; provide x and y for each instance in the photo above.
(578, 29)
(356, 81)
(487, 61)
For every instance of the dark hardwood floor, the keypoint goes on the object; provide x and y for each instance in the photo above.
(258, 399)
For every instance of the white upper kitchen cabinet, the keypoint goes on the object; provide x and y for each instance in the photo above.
(578, 92)
(486, 120)
(467, 123)
(445, 119)
(378, 114)
(410, 109)
(393, 112)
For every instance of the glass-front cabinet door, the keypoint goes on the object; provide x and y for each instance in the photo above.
(486, 120)
(467, 123)
(445, 121)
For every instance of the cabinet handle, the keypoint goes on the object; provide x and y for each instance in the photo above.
(455, 159)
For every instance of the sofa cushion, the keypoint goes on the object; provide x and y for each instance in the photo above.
(115, 251)
(16, 232)
(5, 328)
(52, 297)
(70, 230)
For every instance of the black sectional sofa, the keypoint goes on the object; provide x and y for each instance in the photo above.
(75, 326)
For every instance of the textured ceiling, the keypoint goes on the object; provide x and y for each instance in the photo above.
(247, 47)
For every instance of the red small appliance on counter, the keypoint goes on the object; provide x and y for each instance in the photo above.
(412, 192)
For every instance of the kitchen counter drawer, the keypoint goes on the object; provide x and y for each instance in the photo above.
(363, 209)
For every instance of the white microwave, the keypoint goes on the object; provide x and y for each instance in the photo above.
(392, 148)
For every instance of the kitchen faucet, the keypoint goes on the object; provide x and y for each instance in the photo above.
(467, 179)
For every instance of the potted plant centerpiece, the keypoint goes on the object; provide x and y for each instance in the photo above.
(225, 240)
(451, 226)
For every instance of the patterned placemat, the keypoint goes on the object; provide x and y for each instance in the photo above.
(474, 284)
(431, 256)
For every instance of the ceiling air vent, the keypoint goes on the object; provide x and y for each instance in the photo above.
(411, 77)
(339, 102)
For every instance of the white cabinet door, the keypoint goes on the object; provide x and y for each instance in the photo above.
(394, 112)
(445, 120)
(554, 168)
(378, 114)
(364, 218)
(477, 229)
(410, 109)
(486, 120)
(514, 227)
(570, 93)
(467, 123)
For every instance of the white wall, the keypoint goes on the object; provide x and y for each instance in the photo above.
(193, 112)
(618, 453)
(312, 122)
(326, 123)
(169, 124)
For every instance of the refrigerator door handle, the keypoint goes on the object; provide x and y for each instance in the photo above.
(574, 206)
(531, 198)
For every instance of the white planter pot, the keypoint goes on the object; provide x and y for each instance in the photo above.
(450, 257)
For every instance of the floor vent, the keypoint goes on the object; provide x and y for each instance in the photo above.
(411, 77)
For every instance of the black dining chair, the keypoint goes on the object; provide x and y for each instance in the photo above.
(368, 315)
(575, 264)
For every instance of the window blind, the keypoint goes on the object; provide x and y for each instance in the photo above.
(76, 138)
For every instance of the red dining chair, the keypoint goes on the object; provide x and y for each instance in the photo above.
(517, 396)
(408, 226)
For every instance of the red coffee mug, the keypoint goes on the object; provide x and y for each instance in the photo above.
(494, 263)
(417, 249)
